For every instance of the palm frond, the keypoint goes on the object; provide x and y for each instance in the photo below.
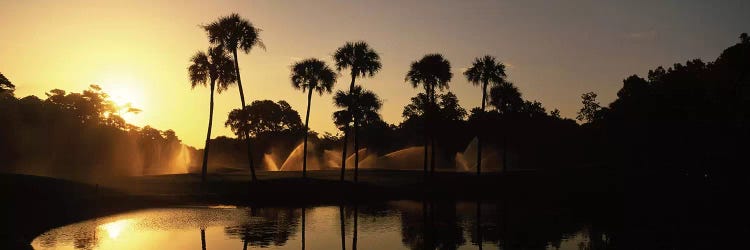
(313, 75)
(233, 32)
(199, 69)
(431, 71)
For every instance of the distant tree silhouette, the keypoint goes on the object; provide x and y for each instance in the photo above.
(311, 75)
(212, 68)
(364, 105)
(76, 133)
(484, 71)
(262, 117)
(432, 71)
(689, 119)
(590, 110)
(533, 109)
(6, 85)
(447, 109)
(362, 61)
(232, 33)
(555, 113)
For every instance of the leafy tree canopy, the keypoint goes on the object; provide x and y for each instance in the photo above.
(262, 117)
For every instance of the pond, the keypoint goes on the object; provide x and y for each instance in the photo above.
(385, 225)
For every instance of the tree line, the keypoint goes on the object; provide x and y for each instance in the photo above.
(359, 106)
(82, 135)
(689, 118)
(689, 99)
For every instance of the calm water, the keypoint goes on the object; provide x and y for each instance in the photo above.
(391, 225)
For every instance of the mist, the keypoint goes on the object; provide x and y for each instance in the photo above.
(81, 136)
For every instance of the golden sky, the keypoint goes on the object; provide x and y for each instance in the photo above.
(138, 51)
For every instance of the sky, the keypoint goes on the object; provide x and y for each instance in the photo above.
(139, 51)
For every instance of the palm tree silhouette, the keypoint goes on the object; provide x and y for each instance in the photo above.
(311, 75)
(507, 99)
(212, 67)
(364, 106)
(231, 33)
(362, 61)
(485, 71)
(431, 71)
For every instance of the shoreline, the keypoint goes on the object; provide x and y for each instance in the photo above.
(43, 203)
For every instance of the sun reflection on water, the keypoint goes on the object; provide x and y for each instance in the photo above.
(114, 229)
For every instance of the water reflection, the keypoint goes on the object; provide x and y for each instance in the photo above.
(391, 225)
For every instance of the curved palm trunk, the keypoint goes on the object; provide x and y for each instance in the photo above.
(432, 154)
(356, 132)
(433, 110)
(505, 153)
(346, 135)
(307, 132)
(426, 136)
(343, 151)
(356, 150)
(426, 142)
(242, 100)
(204, 167)
(479, 136)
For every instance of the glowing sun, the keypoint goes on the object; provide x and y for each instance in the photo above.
(127, 95)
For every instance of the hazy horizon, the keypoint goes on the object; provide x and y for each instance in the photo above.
(139, 52)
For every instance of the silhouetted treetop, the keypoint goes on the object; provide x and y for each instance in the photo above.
(80, 134)
(533, 109)
(431, 71)
(313, 74)
(590, 111)
(233, 32)
(506, 98)
(6, 85)
(262, 117)
(93, 106)
(365, 105)
(448, 109)
(359, 57)
(212, 67)
(485, 70)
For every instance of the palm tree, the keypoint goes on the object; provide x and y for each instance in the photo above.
(231, 33)
(431, 71)
(362, 61)
(364, 104)
(507, 100)
(212, 67)
(311, 75)
(484, 71)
